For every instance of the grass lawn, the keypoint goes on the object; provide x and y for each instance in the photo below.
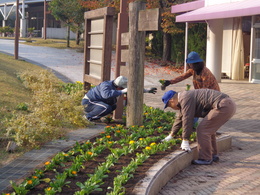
(55, 43)
(12, 94)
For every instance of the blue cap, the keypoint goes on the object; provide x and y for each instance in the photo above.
(167, 96)
(193, 57)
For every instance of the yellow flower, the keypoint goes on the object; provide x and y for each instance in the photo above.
(146, 113)
(29, 182)
(132, 142)
(142, 126)
(49, 189)
(109, 142)
(74, 172)
(47, 163)
(87, 142)
(79, 82)
(152, 144)
(90, 153)
(119, 125)
(66, 155)
(148, 148)
(159, 127)
(108, 136)
(133, 126)
(141, 139)
(100, 139)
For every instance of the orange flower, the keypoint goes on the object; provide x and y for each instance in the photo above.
(47, 163)
(90, 153)
(108, 136)
(29, 182)
(35, 177)
(74, 172)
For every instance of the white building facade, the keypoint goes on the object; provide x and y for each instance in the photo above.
(233, 35)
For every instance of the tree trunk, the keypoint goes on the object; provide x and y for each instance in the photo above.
(68, 36)
(78, 35)
(166, 47)
(136, 67)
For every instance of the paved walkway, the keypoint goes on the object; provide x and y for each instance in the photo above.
(238, 171)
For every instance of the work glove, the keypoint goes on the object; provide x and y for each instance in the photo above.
(168, 138)
(185, 145)
(124, 91)
(150, 90)
(166, 83)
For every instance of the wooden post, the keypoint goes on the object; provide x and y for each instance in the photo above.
(16, 45)
(122, 27)
(136, 67)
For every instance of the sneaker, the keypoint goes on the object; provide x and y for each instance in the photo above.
(202, 162)
(168, 138)
(215, 158)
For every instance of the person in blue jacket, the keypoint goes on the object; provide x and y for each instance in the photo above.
(101, 100)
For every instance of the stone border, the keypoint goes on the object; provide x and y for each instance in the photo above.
(159, 174)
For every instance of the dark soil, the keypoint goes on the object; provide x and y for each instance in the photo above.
(90, 166)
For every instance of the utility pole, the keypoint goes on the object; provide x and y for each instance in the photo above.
(16, 44)
(45, 20)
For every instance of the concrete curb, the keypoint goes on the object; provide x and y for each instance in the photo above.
(167, 167)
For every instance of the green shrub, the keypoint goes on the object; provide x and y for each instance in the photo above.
(55, 107)
(22, 106)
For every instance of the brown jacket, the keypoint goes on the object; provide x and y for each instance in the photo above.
(194, 103)
(205, 80)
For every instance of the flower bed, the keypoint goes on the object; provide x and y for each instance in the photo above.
(111, 163)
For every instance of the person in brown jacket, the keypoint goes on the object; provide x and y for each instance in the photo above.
(202, 76)
(214, 107)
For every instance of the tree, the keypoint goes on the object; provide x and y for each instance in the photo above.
(70, 12)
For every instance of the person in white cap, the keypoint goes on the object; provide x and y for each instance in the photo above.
(214, 107)
(101, 100)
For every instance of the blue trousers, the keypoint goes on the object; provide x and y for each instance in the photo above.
(96, 109)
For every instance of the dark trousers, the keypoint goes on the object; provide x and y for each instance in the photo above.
(95, 109)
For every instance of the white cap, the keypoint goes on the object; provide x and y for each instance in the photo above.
(121, 81)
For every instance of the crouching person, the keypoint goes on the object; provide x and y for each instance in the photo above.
(214, 107)
(101, 100)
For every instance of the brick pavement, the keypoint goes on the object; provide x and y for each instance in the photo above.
(238, 171)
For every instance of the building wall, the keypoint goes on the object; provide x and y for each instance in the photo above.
(59, 33)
